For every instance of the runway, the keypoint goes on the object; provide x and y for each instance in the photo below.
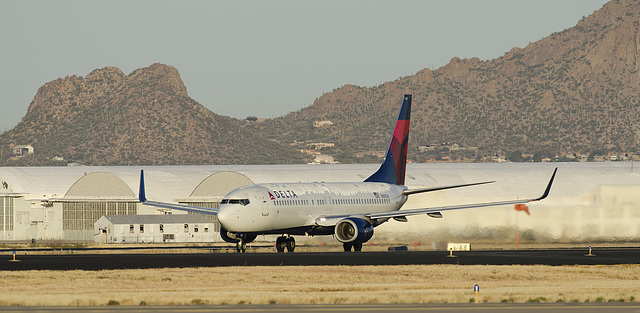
(26, 261)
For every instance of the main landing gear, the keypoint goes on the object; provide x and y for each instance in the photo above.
(285, 242)
(357, 246)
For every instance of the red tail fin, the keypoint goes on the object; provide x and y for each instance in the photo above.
(393, 168)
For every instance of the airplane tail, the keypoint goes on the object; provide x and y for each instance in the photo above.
(394, 166)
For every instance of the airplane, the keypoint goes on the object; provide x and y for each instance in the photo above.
(347, 210)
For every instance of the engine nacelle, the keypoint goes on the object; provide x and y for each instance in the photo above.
(353, 229)
(227, 236)
(233, 237)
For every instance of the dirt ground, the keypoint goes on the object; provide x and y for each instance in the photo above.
(317, 284)
(322, 284)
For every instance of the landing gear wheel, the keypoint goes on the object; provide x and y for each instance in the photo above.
(241, 246)
(281, 244)
(347, 246)
(357, 246)
(291, 244)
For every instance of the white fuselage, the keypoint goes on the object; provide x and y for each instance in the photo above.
(272, 207)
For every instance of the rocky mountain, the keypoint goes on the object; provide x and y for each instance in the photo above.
(146, 117)
(573, 92)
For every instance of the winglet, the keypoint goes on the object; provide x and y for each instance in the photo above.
(141, 194)
(546, 191)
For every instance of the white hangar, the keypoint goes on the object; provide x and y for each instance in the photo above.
(588, 201)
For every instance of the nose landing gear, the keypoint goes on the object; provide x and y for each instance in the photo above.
(285, 242)
(241, 239)
(241, 245)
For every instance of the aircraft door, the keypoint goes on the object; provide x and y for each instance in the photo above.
(327, 205)
(265, 205)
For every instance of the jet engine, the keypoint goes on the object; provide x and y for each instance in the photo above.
(353, 229)
(233, 237)
(227, 236)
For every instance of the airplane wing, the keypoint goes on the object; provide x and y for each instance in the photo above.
(421, 190)
(434, 211)
(181, 207)
(164, 205)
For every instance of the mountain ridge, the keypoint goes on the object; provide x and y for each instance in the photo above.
(146, 117)
(575, 92)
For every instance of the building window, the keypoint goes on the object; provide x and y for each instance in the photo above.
(6, 214)
(206, 229)
(213, 205)
(186, 228)
(141, 228)
(131, 229)
(161, 228)
(83, 215)
(195, 228)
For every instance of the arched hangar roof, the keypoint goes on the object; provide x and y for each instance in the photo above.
(163, 183)
(170, 183)
(99, 185)
(220, 183)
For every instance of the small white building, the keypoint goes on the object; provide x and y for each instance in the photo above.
(324, 159)
(22, 150)
(322, 123)
(155, 228)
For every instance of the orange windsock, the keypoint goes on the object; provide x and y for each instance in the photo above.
(522, 207)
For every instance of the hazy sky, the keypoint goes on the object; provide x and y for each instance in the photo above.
(262, 58)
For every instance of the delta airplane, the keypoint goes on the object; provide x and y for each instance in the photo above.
(348, 211)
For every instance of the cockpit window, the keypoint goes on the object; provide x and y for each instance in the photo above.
(235, 201)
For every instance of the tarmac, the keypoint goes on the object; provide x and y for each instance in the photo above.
(25, 260)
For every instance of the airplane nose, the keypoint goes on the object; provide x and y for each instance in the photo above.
(224, 217)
